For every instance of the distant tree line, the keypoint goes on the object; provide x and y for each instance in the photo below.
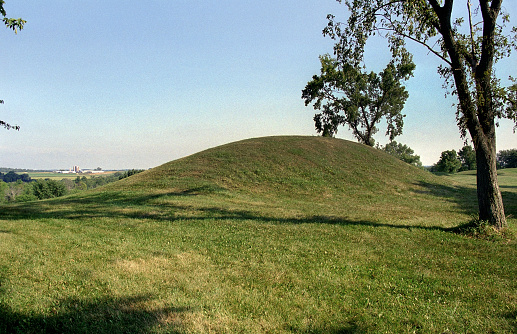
(450, 160)
(507, 158)
(20, 188)
(465, 159)
(13, 177)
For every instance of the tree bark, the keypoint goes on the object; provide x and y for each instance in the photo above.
(478, 114)
(490, 201)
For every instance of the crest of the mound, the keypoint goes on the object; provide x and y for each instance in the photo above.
(285, 164)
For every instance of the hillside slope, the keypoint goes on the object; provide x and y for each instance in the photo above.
(288, 163)
(304, 176)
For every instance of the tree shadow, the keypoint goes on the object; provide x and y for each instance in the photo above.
(512, 319)
(115, 205)
(106, 315)
(465, 198)
(133, 205)
(348, 328)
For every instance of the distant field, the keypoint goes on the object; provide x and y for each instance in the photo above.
(507, 179)
(268, 235)
(60, 176)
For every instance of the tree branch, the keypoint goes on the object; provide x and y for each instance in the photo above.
(436, 53)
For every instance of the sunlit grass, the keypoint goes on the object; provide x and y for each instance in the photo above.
(196, 247)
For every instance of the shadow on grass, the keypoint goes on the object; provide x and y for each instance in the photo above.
(108, 315)
(466, 197)
(349, 328)
(512, 319)
(131, 205)
(124, 206)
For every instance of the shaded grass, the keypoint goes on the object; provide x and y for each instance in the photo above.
(207, 252)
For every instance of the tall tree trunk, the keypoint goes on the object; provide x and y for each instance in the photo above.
(478, 114)
(490, 201)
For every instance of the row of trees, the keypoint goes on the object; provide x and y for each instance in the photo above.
(465, 159)
(20, 191)
(507, 158)
(13, 177)
(452, 161)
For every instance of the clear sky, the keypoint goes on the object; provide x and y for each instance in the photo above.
(134, 84)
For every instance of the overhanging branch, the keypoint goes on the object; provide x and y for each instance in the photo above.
(436, 53)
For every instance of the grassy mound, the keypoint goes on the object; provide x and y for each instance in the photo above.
(307, 177)
(301, 165)
(267, 235)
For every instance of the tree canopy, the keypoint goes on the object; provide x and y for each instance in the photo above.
(467, 156)
(468, 54)
(402, 152)
(507, 158)
(347, 95)
(448, 163)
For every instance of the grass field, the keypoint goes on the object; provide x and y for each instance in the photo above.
(270, 235)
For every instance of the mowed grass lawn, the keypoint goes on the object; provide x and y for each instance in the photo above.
(271, 235)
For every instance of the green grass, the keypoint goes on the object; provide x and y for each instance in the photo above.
(270, 235)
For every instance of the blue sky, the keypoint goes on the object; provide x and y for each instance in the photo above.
(135, 84)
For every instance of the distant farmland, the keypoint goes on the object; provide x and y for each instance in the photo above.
(60, 176)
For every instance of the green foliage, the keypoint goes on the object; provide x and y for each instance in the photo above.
(13, 177)
(129, 173)
(430, 23)
(479, 229)
(467, 156)
(448, 163)
(346, 95)
(3, 190)
(402, 152)
(18, 192)
(468, 66)
(13, 24)
(30, 190)
(507, 158)
(44, 189)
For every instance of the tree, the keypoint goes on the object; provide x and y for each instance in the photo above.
(402, 152)
(4, 187)
(11, 176)
(13, 24)
(507, 158)
(467, 157)
(448, 163)
(468, 57)
(43, 189)
(346, 95)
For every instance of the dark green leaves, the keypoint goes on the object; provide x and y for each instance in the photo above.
(346, 95)
(13, 24)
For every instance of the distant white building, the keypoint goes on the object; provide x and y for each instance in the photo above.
(65, 171)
